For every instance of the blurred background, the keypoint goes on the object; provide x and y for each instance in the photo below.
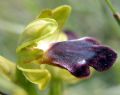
(88, 18)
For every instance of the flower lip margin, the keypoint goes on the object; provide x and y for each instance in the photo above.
(87, 50)
(71, 35)
(106, 56)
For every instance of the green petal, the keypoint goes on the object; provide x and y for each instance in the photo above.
(40, 77)
(36, 31)
(33, 71)
(37, 75)
(45, 14)
(60, 14)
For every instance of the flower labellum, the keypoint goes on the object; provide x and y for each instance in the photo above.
(77, 55)
(71, 35)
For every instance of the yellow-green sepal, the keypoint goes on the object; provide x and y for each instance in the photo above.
(40, 77)
(45, 14)
(36, 31)
(35, 73)
(60, 14)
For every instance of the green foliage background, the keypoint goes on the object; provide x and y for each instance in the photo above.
(88, 18)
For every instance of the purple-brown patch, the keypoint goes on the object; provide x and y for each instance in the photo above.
(77, 55)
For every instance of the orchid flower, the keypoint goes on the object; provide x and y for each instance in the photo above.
(45, 51)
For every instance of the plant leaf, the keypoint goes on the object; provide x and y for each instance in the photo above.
(9, 88)
(5, 68)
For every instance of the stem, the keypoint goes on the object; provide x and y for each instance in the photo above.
(110, 6)
(56, 87)
(24, 83)
(115, 13)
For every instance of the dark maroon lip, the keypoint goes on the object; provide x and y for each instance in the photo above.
(71, 35)
(77, 55)
(104, 59)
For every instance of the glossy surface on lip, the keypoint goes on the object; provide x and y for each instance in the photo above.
(77, 55)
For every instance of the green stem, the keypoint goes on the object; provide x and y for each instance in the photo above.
(24, 83)
(115, 13)
(56, 87)
(110, 6)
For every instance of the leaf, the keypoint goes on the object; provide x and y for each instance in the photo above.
(5, 68)
(9, 88)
